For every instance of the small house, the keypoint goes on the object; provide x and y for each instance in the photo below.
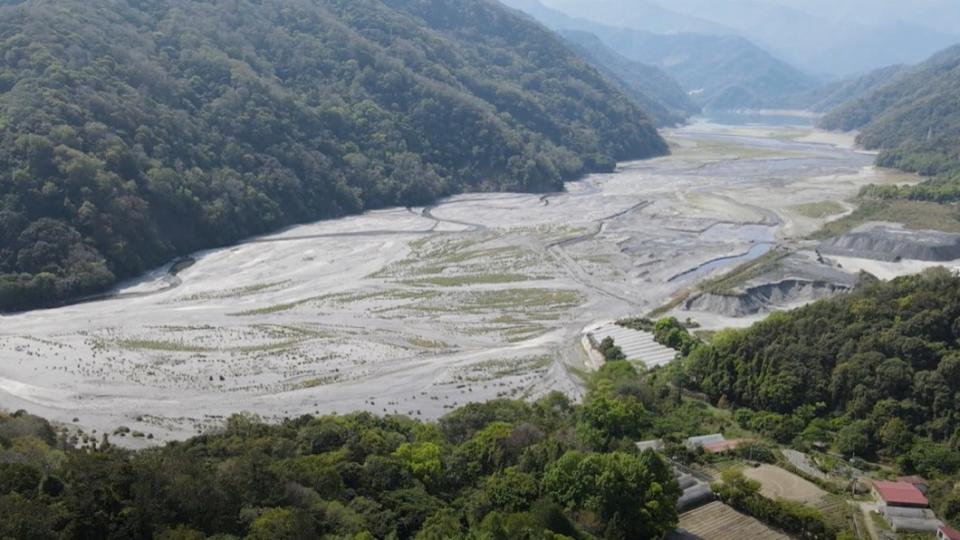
(899, 494)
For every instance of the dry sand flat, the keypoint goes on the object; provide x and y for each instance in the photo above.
(412, 311)
(777, 483)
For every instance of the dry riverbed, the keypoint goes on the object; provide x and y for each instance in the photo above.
(417, 311)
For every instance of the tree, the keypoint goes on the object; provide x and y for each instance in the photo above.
(930, 459)
(895, 437)
(610, 351)
(421, 459)
(19, 478)
(281, 524)
(634, 496)
(441, 526)
(854, 439)
(606, 418)
(512, 490)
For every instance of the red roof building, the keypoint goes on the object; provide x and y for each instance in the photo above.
(722, 446)
(900, 494)
(946, 533)
(918, 482)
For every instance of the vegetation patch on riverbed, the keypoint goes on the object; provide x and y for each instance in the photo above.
(916, 215)
(727, 284)
(819, 210)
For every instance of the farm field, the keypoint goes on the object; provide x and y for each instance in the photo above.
(777, 483)
(717, 521)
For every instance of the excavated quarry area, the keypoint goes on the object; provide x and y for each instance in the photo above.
(416, 311)
(785, 279)
(890, 242)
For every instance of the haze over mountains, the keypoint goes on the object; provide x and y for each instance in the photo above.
(824, 38)
(651, 87)
(833, 95)
(496, 352)
(914, 118)
(719, 70)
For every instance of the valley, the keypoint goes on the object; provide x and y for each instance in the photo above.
(479, 269)
(420, 310)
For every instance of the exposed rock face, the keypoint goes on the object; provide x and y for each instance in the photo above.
(764, 298)
(891, 244)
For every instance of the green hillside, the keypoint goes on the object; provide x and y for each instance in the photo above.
(914, 120)
(881, 364)
(835, 95)
(652, 88)
(548, 470)
(874, 374)
(133, 131)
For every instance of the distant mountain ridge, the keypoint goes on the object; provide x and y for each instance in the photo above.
(652, 88)
(646, 15)
(719, 71)
(814, 41)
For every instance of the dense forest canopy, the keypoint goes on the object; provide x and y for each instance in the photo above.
(914, 119)
(548, 470)
(878, 369)
(826, 98)
(131, 131)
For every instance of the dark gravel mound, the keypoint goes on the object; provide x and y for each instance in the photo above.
(889, 244)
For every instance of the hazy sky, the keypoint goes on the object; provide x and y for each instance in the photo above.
(940, 14)
(824, 37)
(943, 15)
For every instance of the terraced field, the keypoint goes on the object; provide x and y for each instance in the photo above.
(717, 521)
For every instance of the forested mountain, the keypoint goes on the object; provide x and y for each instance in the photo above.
(877, 371)
(548, 470)
(719, 71)
(814, 41)
(915, 119)
(840, 93)
(807, 34)
(132, 131)
(657, 94)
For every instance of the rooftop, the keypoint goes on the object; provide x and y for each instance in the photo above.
(653, 444)
(949, 534)
(900, 493)
(722, 446)
(703, 440)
